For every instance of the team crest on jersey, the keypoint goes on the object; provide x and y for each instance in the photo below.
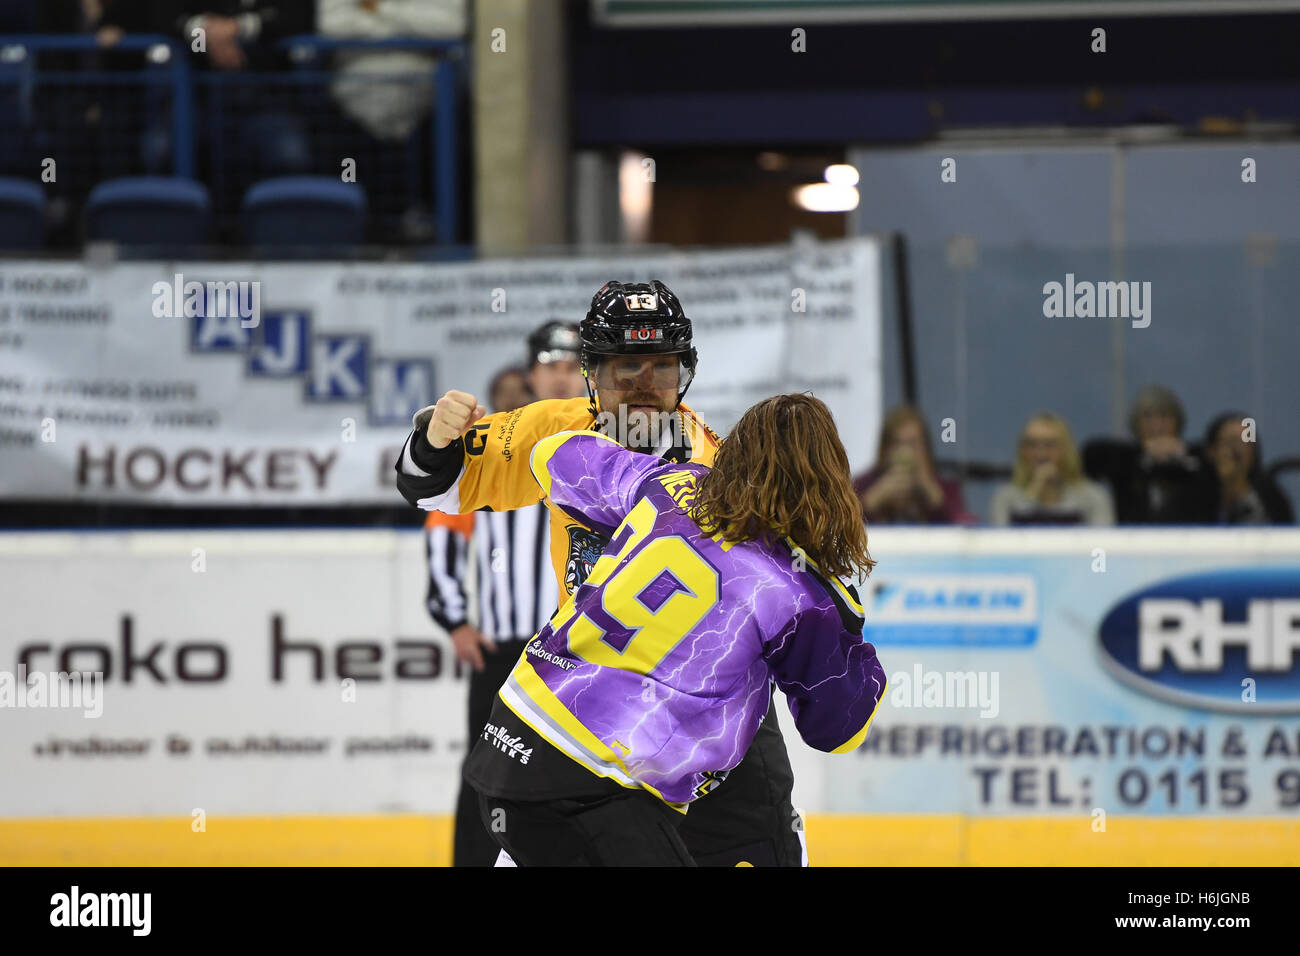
(585, 548)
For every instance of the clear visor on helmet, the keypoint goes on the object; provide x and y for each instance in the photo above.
(631, 372)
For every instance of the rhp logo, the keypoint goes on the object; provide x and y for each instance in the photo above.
(1194, 640)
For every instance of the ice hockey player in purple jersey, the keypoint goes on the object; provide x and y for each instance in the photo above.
(648, 686)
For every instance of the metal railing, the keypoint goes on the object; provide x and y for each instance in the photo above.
(448, 79)
(109, 117)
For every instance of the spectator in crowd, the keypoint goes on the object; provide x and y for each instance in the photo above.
(374, 87)
(1245, 494)
(386, 95)
(509, 388)
(903, 488)
(80, 125)
(1048, 486)
(264, 124)
(226, 34)
(1156, 479)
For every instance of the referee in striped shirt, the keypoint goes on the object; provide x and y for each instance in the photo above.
(506, 556)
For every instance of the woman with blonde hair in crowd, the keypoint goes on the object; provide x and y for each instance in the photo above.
(1048, 486)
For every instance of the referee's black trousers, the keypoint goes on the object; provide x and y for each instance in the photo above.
(473, 845)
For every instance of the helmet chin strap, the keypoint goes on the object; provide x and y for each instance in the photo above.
(682, 393)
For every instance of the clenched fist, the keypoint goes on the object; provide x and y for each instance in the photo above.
(454, 413)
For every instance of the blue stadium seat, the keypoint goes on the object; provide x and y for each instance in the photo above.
(304, 210)
(149, 211)
(22, 214)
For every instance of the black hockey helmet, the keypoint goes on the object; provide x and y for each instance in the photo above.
(554, 341)
(637, 318)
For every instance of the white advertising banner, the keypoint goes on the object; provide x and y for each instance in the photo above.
(243, 673)
(1030, 672)
(1088, 672)
(294, 384)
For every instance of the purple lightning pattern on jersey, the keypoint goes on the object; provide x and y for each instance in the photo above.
(692, 633)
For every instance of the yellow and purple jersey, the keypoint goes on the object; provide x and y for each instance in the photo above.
(492, 472)
(658, 672)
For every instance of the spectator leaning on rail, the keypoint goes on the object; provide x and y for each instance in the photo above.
(254, 120)
(1156, 479)
(387, 92)
(903, 488)
(1048, 486)
(233, 31)
(385, 95)
(1245, 494)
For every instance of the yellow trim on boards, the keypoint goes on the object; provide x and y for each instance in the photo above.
(833, 840)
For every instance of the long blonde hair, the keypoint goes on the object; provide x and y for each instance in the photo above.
(1071, 470)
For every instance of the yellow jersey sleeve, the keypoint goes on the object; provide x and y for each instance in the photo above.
(704, 440)
(497, 451)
